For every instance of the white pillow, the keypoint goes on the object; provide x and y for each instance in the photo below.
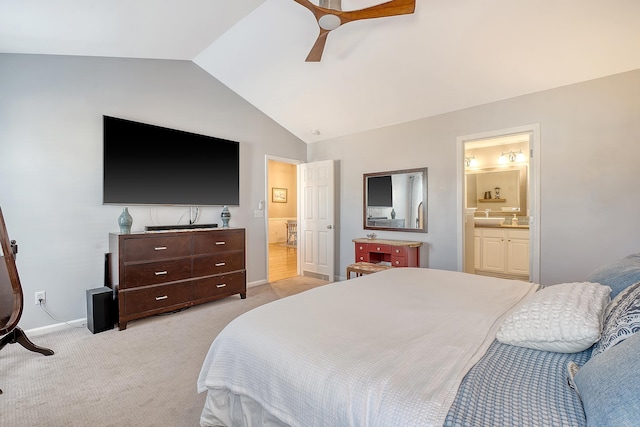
(564, 318)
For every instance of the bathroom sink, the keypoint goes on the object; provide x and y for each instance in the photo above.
(489, 222)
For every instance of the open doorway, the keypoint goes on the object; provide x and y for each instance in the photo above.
(498, 204)
(282, 219)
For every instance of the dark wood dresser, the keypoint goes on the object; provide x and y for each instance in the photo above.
(154, 273)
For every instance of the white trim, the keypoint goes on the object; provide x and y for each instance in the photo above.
(268, 157)
(534, 192)
(256, 283)
(55, 327)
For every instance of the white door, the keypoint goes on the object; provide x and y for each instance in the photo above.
(316, 236)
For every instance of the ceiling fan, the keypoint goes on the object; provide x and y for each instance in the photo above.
(331, 17)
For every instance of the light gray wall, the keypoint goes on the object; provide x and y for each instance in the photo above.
(590, 193)
(51, 111)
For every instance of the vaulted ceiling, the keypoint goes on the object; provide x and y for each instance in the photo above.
(448, 55)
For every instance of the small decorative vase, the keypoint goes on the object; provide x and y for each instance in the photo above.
(124, 221)
(393, 213)
(225, 215)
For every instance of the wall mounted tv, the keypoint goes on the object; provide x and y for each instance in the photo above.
(380, 191)
(152, 165)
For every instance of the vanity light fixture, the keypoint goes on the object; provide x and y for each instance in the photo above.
(511, 156)
(470, 161)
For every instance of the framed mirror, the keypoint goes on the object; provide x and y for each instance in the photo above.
(395, 200)
(498, 189)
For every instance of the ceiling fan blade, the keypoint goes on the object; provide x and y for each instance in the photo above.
(391, 8)
(315, 55)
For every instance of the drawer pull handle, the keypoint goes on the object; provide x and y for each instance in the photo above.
(397, 251)
(222, 285)
(160, 273)
(378, 249)
(160, 248)
(221, 243)
(161, 298)
(397, 262)
(220, 264)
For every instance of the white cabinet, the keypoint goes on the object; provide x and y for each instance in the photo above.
(493, 246)
(502, 251)
(518, 252)
(477, 241)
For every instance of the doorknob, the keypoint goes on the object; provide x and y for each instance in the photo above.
(329, 227)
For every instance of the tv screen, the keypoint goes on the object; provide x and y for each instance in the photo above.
(379, 192)
(152, 165)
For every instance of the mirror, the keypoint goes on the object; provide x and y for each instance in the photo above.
(498, 189)
(396, 200)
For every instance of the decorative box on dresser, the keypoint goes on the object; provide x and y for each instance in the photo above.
(154, 273)
(399, 253)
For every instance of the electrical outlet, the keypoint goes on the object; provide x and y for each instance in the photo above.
(41, 296)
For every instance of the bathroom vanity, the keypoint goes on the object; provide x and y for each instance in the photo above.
(502, 251)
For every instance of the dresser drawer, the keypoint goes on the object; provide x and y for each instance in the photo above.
(362, 252)
(397, 261)
(381, 249)
(156, 272)
(362, 247)
(219, 285)
(218, 241)
(153, 248)
(206, 265)
(155, 297)
(399, 251)
(399, 256)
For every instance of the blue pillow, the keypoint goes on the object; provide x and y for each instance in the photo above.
(618, 275)
(609, 385)
(621, 319)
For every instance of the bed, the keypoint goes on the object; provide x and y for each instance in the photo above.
(421, 347)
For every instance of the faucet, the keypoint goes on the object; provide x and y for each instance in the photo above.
(486, 212)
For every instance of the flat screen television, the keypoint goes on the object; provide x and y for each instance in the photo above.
(379, 191)
(152, 165)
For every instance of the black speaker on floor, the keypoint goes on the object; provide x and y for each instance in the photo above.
(100, 309)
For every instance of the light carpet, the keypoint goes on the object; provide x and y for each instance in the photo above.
(142, 376)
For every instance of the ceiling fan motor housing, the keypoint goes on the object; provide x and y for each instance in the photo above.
(329, 22)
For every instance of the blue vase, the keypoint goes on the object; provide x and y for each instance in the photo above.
(225, 215)
(125, 221)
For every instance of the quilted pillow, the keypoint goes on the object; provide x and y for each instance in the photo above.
(618, 275)
(622, 319)
(564, 318)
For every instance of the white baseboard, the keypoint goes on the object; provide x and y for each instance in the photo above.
(55, 327)
(83, 322)
(256, 283)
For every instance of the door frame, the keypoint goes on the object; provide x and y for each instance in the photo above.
(265, 204)
(533, 191)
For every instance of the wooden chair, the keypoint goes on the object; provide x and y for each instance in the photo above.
(11, 297)
(292, 233)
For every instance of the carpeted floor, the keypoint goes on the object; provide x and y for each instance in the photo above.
(143, 376)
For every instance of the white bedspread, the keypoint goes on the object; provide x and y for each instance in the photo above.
(387, 349)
